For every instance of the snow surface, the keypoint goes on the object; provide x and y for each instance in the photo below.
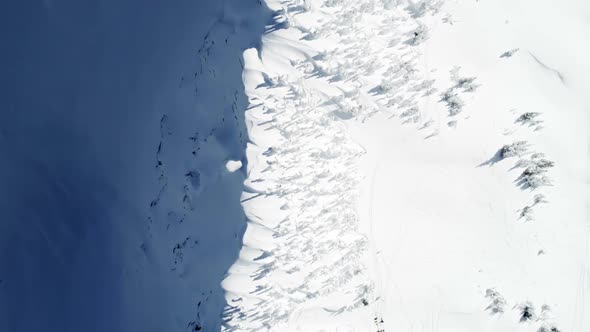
(118, 120)
(417, 166)
(295, 165)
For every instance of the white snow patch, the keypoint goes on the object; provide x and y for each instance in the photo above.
(233, 165)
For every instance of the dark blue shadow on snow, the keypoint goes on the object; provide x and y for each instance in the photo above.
(84, 85)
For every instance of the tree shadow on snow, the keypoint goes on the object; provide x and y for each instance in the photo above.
(497, 157)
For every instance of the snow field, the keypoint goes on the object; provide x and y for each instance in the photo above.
(416, 166)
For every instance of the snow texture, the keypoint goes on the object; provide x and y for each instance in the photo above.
(296, 165)
(118, 119)
(400, 171)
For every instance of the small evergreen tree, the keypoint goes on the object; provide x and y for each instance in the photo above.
(527, 312)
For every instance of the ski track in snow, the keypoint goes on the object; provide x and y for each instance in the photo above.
(340, 89)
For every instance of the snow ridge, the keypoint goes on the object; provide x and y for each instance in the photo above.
(308, 79)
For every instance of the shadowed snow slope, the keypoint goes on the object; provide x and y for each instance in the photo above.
(118, 119)
(417, 166)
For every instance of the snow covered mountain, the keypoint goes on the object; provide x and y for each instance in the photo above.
(295, 165)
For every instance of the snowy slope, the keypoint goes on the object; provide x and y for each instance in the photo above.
(364, 165)
(416, 166)
(118, 119)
